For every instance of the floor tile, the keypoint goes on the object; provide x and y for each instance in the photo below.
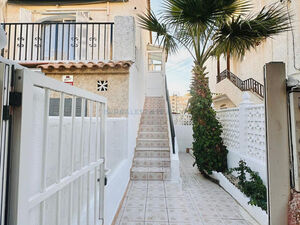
(196, 201)
(235, 222)
(156, 193)
(131, 223)
(134, 202)
(133, 215)
(156, 214)
(179, 215)
(175, 203)
(153, 202)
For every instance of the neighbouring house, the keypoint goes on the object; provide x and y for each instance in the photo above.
(98, 46)
(179, 103)
(248, 75)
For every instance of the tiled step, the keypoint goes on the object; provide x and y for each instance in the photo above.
(151, 162)
(153, 135)
(153, 117)
(149, 128)
(153, 122)
(152, 154)
(152, 143)
(150, 173)
(154, 112)
(158, 149)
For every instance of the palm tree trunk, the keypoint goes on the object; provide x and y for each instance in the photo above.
(218, 68)
(228, 61)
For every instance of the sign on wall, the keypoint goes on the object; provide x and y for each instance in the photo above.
(68, 79)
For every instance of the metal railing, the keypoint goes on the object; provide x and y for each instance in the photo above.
(246, 85)
(172, 128)
(70, 41)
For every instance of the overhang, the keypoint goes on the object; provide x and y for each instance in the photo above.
(60, 2)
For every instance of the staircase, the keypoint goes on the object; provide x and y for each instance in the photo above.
(152, 153)
(246, 85)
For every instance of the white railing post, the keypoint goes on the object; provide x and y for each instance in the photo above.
(3, 38)
(243, 123)
(124, 38)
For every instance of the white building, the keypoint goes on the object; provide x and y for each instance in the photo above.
(282, 48)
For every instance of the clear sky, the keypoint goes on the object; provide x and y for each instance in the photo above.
(179, 65)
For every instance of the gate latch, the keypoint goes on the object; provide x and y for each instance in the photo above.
(15, 99)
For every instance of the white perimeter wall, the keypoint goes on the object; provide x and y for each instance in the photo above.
(183, 131)
(244, 136)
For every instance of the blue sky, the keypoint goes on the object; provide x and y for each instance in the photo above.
(179, 65)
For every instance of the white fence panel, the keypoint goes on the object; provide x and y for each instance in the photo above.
(57, 175)
(229, 119)
(244, 136)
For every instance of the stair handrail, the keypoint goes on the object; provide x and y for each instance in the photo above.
(246, 85)
(171, 122)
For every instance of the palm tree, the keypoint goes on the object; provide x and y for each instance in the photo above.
(209, 28)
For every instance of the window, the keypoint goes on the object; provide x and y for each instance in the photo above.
(58, 40)
(155, 61)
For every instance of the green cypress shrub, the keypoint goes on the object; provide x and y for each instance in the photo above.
(209, 150)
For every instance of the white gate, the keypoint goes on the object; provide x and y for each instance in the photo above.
(57, 158)
(5, 80)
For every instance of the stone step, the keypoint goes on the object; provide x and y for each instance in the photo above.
(152, 162)
(158, 149)
(153, 128)
(150, 173)
(154, 111)
(154, 122)
(152, 154)
(152, 144)
(153, 117)
(152, 139)
(153, 135)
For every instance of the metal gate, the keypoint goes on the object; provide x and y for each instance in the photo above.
(56, 173)
(5, 81)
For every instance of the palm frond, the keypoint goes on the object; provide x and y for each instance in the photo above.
(165, 39)
(202, 12)
(239, 35)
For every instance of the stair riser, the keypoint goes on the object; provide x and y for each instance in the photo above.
(150, 176)
(149, 163)
(154, 122)
(153, 129)
(149, 116)
(153, 112)
(152, 144)
(153, 136)
(152, 154)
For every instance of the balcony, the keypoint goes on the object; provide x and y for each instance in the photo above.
(51, 42)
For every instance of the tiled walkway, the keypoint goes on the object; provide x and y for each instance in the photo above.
(196, 201)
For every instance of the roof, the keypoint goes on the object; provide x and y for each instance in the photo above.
(60, 2)
(88, 65)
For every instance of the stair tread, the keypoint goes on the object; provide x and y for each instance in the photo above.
(153, 159)
(152, 139)
(150, 169)
(152, 149)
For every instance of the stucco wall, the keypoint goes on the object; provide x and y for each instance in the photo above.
(117, 93)
(97, 12)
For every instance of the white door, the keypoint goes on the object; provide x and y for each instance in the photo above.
(155, 84)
